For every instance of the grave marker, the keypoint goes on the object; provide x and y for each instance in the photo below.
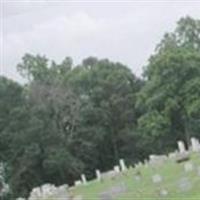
(181, 147)
(83, 178)
(122, 165)
(188, 167)
(98, 175)
(157, 178)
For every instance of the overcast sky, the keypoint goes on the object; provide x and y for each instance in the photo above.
(125, 31)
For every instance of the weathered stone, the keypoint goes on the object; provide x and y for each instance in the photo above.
(163, 192)
(181, 147)
(185, 185)
(77, 183)
(83, 178)
(117, 169)
(195, 145)
(157, 178)
(188, 167)
(98, 175)
(122, 165)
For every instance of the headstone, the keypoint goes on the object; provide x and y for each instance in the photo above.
(47, 190)
(122, 165)
(157, 178)
(36, 193)
(109, 174)
(63, 188)
(172, 155)
(163, 192)
(157, 159)
(185, 185)
(77, 183)
(195, 144)
(117, 169)
(188, 167)
(98, 175)
(182, 157)
(83, 178)
(181, 147)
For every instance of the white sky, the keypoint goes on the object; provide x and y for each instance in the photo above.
(125, 31)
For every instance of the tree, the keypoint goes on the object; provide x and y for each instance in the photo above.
(107, 92)
(11, 100)
(170, 97)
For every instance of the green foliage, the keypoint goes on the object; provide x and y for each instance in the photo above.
(170, 96)
(69, 120)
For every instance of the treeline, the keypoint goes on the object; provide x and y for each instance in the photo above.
(67, 120)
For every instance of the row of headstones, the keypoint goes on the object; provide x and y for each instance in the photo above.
(99, 176)
(48, 189)
(183, 184)
(180, 154)
(195, 145)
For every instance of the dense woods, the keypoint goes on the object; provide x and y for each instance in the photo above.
(70, 119)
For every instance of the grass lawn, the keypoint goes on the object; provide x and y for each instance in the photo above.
(173, 175)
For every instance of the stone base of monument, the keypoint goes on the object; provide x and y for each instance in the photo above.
(182, 157)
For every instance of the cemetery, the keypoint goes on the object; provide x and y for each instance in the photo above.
(160, 177)
(100, 101)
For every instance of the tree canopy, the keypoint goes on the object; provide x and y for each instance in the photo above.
(68, 120)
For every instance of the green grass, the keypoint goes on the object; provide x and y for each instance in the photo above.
(145, 189)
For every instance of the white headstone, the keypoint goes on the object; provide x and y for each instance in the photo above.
(77, 183)
(98, 175)
(117, 169)
(195, 144)
(122, 165)
(157, 178)
(181, 147)
(163, 192)
(188, 167)
(83, 178)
